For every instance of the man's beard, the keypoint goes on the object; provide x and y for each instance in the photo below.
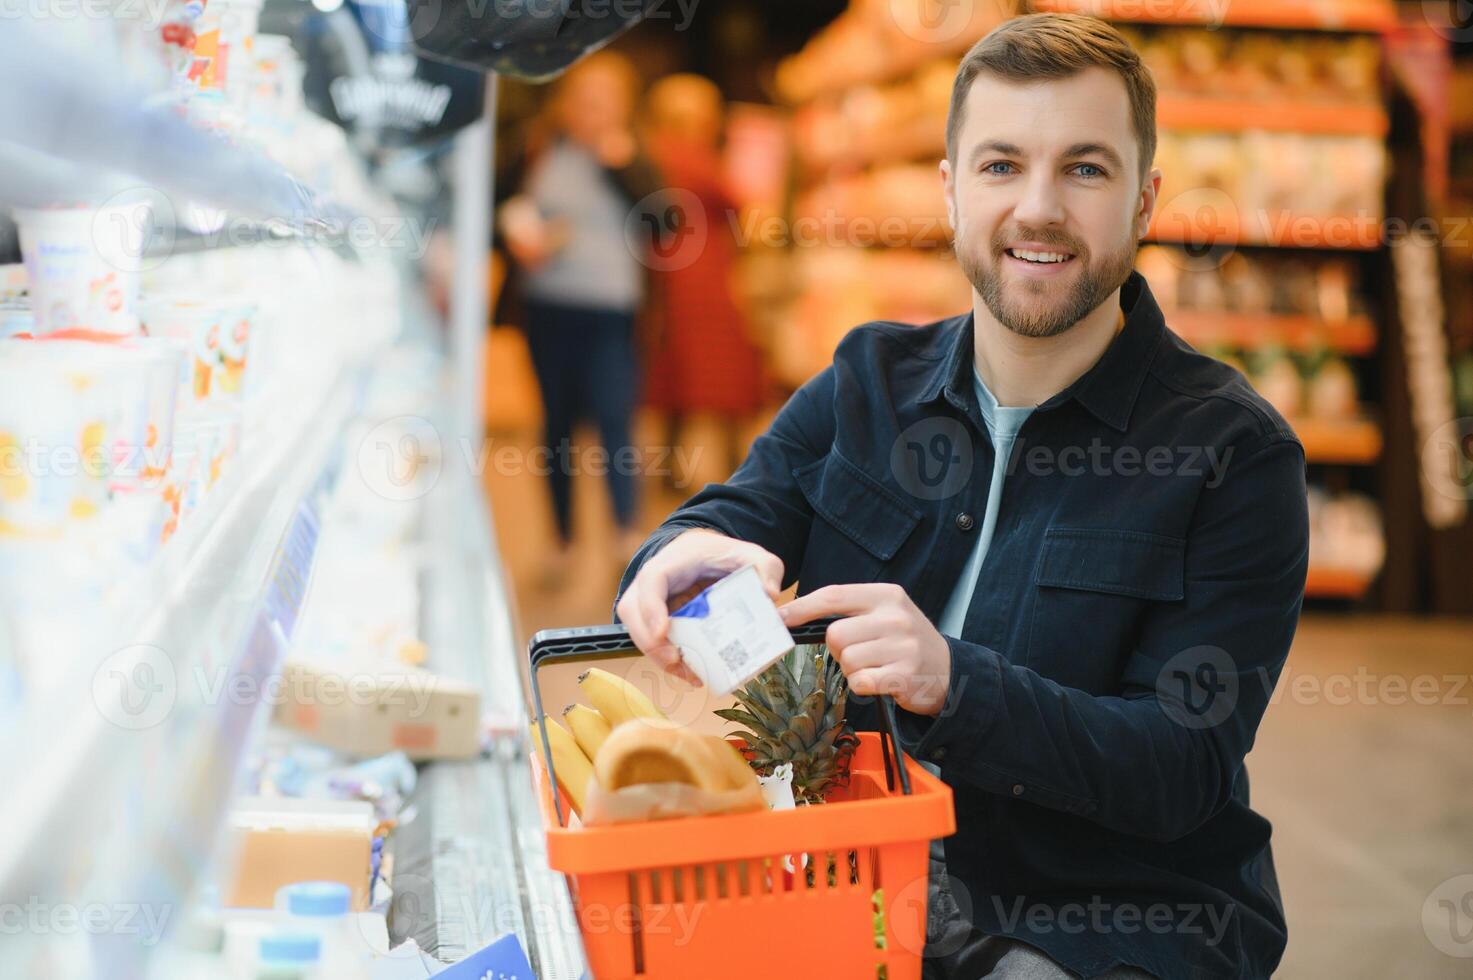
(1092, 286)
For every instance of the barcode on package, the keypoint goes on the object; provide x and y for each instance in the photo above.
(734, 655)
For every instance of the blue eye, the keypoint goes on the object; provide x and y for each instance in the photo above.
(991, 168)
(1097, 172)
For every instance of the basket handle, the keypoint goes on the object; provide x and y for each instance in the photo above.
(813, 632)
(557, 803)
(890, 742)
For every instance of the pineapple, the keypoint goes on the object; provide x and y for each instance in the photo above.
(794, 712)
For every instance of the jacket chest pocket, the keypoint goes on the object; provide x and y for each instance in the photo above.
(1093, 587)
(859, 523)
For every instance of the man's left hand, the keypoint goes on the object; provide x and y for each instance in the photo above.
(884, 643)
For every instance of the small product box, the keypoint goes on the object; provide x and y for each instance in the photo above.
(366, 706)
(731, 632)
(281, 841)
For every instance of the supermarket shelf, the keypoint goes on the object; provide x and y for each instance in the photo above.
(1352, 442)
(1327, 118)
(924, 139)
(108, 794)
(1337, 583)
(1316, 15)
(818, 72)
(1210, 219)
(1355, 336)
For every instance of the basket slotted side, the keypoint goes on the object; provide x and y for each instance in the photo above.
(710, 897)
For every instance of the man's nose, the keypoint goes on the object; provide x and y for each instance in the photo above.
(1041, 203)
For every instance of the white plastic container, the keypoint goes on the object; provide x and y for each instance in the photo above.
(238, 23)
(83, 266)
(322, 908)
(66, 408)
(291, 956)
(217, 337)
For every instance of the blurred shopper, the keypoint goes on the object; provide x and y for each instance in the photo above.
(582, 282)
(705, 371)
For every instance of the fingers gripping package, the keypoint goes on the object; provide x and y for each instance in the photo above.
(730, 632)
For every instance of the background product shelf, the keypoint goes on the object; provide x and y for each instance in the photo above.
(1175, 111)
(1356, 441)
(1354, 336)
(1337, 583)
(1344, 15)
(1205, 220)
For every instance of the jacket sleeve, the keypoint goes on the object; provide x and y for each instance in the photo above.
(762, 502)
(1160, 758)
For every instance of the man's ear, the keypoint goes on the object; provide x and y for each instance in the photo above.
(1150, 193)
(948, 191)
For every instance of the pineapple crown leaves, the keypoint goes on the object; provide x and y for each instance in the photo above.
(794, 712)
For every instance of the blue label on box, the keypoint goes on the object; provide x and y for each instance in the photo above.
(697, 608)
(502, 960)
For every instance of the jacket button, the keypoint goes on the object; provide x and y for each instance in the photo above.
(938, 754)
(1017, 789)
(965, 522)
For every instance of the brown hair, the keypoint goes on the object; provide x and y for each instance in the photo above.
(1040, 46)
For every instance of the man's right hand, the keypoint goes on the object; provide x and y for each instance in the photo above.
(676, 573)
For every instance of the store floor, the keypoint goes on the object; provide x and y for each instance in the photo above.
(1369, 786)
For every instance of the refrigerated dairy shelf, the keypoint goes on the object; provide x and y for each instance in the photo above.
(119, 775)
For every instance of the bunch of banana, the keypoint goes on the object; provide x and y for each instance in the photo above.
(573, 768)
(615, 698)
(615, 701)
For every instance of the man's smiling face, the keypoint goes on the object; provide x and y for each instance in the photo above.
(1046, 198)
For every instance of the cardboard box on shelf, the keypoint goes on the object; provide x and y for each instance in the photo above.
(279, 841)
(371, 707)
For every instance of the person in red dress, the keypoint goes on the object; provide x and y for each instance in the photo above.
(705, 370)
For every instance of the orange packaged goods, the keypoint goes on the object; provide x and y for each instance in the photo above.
(702, 896)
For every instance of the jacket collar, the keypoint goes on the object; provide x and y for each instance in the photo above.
(1108, 390)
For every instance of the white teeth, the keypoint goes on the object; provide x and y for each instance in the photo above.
(1019, 253)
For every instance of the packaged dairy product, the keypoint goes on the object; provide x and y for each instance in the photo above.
(83, 266)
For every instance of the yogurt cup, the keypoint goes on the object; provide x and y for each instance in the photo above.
(83, 265)
(216, 338)
(67, 411)
(146, 445)
(15, 320)
(238, 23)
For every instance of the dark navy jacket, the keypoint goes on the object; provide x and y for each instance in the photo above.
(1133, 614)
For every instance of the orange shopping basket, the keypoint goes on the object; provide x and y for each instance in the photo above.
(835, 892)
